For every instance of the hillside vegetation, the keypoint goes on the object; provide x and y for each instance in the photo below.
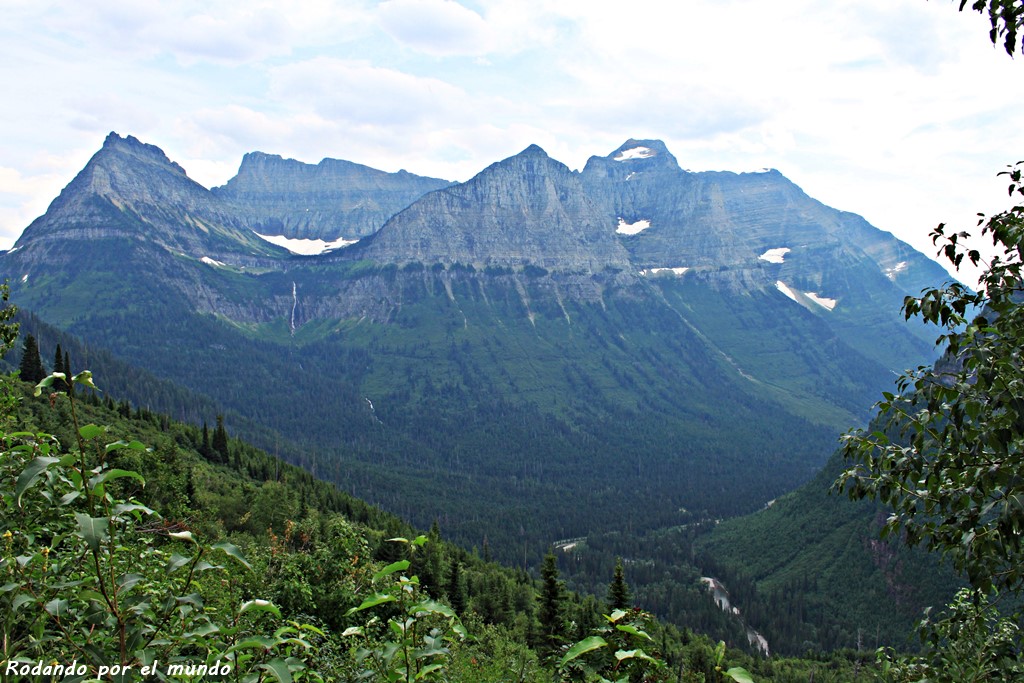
(205, 547)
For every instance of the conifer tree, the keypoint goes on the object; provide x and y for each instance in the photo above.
(458, 595)
(204, 447)
(618, 590)
(552, 605)
(31, 364)
(220, 441)
(58, 366)
(432, 571)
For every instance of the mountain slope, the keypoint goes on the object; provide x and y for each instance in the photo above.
(497, 355)
(330, 200)
(131, 190)
(823, 552)
(528, 209)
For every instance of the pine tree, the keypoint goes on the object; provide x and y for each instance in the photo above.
(552, 605)
(58, 366)
(458, 595)
(31, 364)
(431, 572)
(220, 441)
(618, 590)
(204, 447)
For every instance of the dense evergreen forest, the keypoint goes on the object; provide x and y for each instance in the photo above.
(308, 548)
(664, 564)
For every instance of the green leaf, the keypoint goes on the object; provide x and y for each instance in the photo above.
(128, 581)
(279, 669)
(255, 643)
(85, 379)
(232, 551)
(176, 562)
(57, 607)
(634, 654)
(373, 601)
(91, 431)
(115, 445)
(260, 606)
(93, 530)
(633, 630)
(399, 566)
(109, 475)
(21, 599)
(183, 536)
(47, 382)
(428, 669)
(739, 674)
(582, 647)
(615, 616)
(432, 607)
(30, 474)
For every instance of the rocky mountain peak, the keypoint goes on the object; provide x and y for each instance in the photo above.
(526, 209)
(632, 150)
(329, 200)
(632, 159)
(130, 189)
(115, 146)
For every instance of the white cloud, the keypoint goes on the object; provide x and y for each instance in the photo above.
(896, 109)
(437, 27)
(358, 92)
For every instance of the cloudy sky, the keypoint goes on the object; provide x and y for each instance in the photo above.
(900, 110)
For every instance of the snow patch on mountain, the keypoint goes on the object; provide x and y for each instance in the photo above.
(632, 228)
(634, 153)
(822, 301)
(777, 255)
(306, 247)
(803, 298)
(210, 262)
(891, 273)
(678, 270)
(784, 288)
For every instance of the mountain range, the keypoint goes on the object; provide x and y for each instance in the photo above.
(532, 355)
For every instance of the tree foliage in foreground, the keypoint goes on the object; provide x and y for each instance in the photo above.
(1006, 17)
(947, 450)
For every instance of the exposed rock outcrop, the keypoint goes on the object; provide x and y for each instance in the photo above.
(131, 190)
(526, 210)
(330, 200)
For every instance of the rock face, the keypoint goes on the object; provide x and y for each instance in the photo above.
(132, 190)
(531, 340)
(747, 230)
(526, 210)
(330, 200)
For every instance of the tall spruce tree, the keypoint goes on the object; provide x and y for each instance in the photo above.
(31, 364)
(458, 593)
(58, 366)
(618, 590)
(220, 441)
(205, 449)
(552, 605)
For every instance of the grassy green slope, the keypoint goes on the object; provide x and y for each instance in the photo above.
(820, 554)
